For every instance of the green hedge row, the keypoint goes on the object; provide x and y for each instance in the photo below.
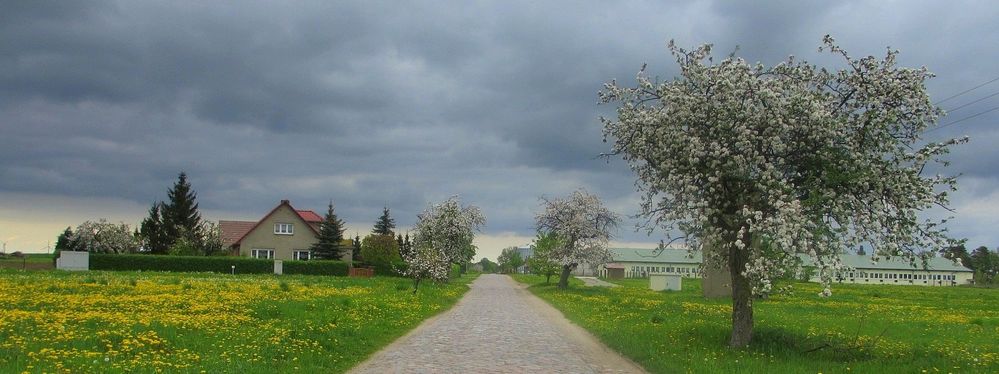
(395, 269)
(316, 267)
(215, 264)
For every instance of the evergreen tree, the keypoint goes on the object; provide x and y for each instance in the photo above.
(407, 246)
(153, 233)
(385, 224)
(958, 253)
(64, 242)
(398, 240)
(180, 215)
(356, 250)
(329, 246)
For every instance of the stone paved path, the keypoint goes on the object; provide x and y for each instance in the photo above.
(594, 282)
(498, 327)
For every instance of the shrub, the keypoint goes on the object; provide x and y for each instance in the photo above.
(244, 265)
(316, 267)
(394, 269)
(216, 264)
(455, 271)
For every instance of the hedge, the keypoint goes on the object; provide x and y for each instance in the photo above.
(396, 269)
(216, 264)
(316, 267)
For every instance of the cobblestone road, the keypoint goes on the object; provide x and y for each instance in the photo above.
(498, 327)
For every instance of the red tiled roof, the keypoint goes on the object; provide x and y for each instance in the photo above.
(233, 230)
(309, 216)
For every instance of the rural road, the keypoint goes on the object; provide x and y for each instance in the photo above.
(498, 327)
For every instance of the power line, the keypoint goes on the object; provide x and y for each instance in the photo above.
(962, 119)
(966, 91)
(966, 104)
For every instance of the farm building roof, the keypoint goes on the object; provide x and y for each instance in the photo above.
(895, 263)
(681, 256)
(673, 256)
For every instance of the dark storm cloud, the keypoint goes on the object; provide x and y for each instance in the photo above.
(379, 103)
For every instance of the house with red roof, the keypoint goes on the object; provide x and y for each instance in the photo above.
(285, 233)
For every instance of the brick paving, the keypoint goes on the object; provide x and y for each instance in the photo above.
(498, 327)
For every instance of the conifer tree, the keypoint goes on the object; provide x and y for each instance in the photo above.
(64, 243)
(385, 224)
(180, 215)
(356, 250)
(407, 246)
(329, 246)
(152, 231)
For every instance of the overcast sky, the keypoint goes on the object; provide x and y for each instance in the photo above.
(373, 103)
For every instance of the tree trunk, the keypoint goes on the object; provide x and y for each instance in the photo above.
(416, 284)
(548, 278)
(742, 296)
(563, 280)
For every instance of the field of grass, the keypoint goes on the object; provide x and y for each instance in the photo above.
(188, 322)
(860, 329)
(31, 261)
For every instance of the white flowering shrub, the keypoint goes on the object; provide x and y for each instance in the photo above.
(764, 163)
(583, 225)
(443, 236)
(105, 237)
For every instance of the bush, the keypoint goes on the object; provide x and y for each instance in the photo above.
(395, 269)
(316, 267)
(455, 271)
(215, 264)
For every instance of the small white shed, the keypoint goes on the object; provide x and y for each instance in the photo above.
(660, 281)
(73, 261)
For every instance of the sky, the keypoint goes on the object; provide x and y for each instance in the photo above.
(385, 103)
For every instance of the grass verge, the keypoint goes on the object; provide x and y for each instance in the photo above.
(860, 329)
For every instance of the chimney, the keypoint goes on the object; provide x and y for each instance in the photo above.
(286, 202)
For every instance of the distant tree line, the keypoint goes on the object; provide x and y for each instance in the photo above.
(982, 261)
(172, 227)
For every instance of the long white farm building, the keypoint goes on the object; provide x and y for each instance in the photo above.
(639, 263)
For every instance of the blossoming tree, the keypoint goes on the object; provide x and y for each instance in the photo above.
(584, 226)
(105, 237)
(764, 163)
(444, 234)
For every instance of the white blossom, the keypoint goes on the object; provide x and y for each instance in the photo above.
(443, 235)
(583, 224)
(797, 158)
(105, 237)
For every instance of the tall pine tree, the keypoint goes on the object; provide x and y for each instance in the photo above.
(180, 215)
(385, 224)
(329, 246)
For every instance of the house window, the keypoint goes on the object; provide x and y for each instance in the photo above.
(284, 229)
(303, 255)
(262, 253)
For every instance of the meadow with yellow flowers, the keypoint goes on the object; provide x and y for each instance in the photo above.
(192, 322)
(859, 329)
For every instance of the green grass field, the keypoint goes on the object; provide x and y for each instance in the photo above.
(188, 322)
(31, 261)
(860, 329)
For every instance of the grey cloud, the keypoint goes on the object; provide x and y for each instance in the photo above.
(379, 103)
